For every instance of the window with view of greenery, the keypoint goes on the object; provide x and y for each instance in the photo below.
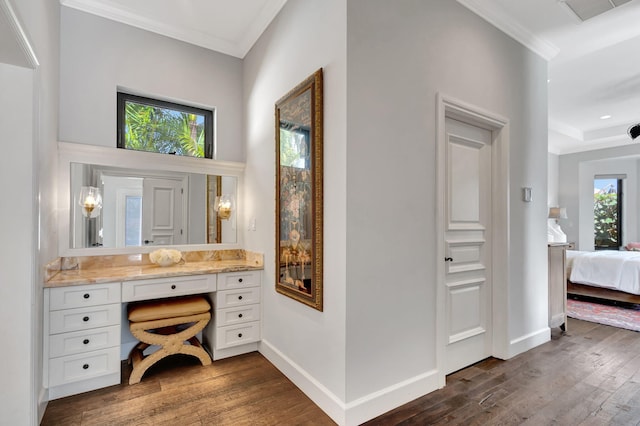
(146, 124)
(607, 213)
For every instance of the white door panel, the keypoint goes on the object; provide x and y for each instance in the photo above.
(467, 244)
(162, 212)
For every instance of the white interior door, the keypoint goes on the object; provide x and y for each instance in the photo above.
(162, 212)
(467, 236)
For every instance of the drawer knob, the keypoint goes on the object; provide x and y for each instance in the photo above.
(239, 297)
(85, 341)
(86, 295)
(239, 280)
(239, 315)
(85, 367)
(173, 286)
(239, 335)
(85, 319)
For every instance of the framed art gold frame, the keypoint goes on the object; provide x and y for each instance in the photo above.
(299, 199)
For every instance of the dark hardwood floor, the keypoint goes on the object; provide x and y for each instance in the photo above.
(588, 376)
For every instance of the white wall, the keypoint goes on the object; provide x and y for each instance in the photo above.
(553, 174)
(308, 345)
(400, 55)
(29, 122)
(98, 56)
(575, 191)
(379, 264)
(17, 250)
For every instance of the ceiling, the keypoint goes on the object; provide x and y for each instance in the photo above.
(594, 70)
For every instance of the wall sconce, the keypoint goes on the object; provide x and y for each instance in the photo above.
(224, 206)
(554, 232)
(90, 200)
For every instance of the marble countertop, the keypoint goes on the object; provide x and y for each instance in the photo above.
(132, 272)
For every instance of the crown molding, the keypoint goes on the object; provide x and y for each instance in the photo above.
(27, 57)
(503, 22)
(237, 48)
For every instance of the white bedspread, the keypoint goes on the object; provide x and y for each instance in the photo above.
(619, 270)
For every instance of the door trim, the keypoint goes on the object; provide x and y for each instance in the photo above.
(499, 126)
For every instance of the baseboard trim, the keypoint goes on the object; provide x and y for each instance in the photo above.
(43, 401)
(529, 341)
(361, 409)
(379, 402)
(319, 394)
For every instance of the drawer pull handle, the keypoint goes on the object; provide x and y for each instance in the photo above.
(85, 341)
(239, 297)
(239, 280)
(85, 367)
(173, 286)
(239, 335)
(239, 315)
(86, 295)
(85, 319)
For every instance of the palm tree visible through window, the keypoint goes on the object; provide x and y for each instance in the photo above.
(152, 125)
(607, 213)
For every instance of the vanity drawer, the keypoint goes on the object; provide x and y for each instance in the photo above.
(237, 315)
(233, 280)
(84, 318)
(84, 341)
(86, 295)
(235, 335)
(73, 368)
(167, 287)
(231, 298)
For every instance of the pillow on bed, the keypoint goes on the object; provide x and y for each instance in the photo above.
(632, 247)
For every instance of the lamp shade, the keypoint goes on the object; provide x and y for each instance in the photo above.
(557, 213)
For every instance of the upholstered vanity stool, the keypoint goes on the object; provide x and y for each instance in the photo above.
(168, 323)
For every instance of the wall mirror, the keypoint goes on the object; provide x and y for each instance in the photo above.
(145, 200)
(299, 182)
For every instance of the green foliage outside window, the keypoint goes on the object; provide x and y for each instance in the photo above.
(605, 218)
(154, 129)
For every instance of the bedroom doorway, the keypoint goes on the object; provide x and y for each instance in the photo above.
(472, 210)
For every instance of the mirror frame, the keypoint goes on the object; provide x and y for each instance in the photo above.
(106, 156)
(314, 83)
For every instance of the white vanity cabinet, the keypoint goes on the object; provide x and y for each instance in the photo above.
(82, 338)
(235, 328)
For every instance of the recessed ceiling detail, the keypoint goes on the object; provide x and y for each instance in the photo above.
(587, 9)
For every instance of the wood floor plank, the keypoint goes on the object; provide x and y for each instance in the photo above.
(587, 376)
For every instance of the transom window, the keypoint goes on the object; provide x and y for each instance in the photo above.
(152, 125)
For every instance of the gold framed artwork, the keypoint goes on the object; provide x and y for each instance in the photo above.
(299, 186)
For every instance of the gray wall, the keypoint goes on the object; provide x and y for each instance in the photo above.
(380, 129)
(305, 36)
(400, 55)
(98, 56)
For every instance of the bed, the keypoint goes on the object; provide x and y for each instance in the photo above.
(610, 275)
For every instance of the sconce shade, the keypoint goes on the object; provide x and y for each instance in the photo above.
(224, 206)
(557, 213)
(90, 200)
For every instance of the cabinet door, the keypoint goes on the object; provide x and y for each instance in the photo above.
(243, 296)
(84, 318)
(167, 287)
(84, 295)
(233, 280)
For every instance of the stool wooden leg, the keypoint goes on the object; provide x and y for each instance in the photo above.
(170, 344)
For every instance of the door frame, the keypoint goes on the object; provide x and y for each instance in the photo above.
(499, 126)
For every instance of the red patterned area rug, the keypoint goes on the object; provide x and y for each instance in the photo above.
(604, 314)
